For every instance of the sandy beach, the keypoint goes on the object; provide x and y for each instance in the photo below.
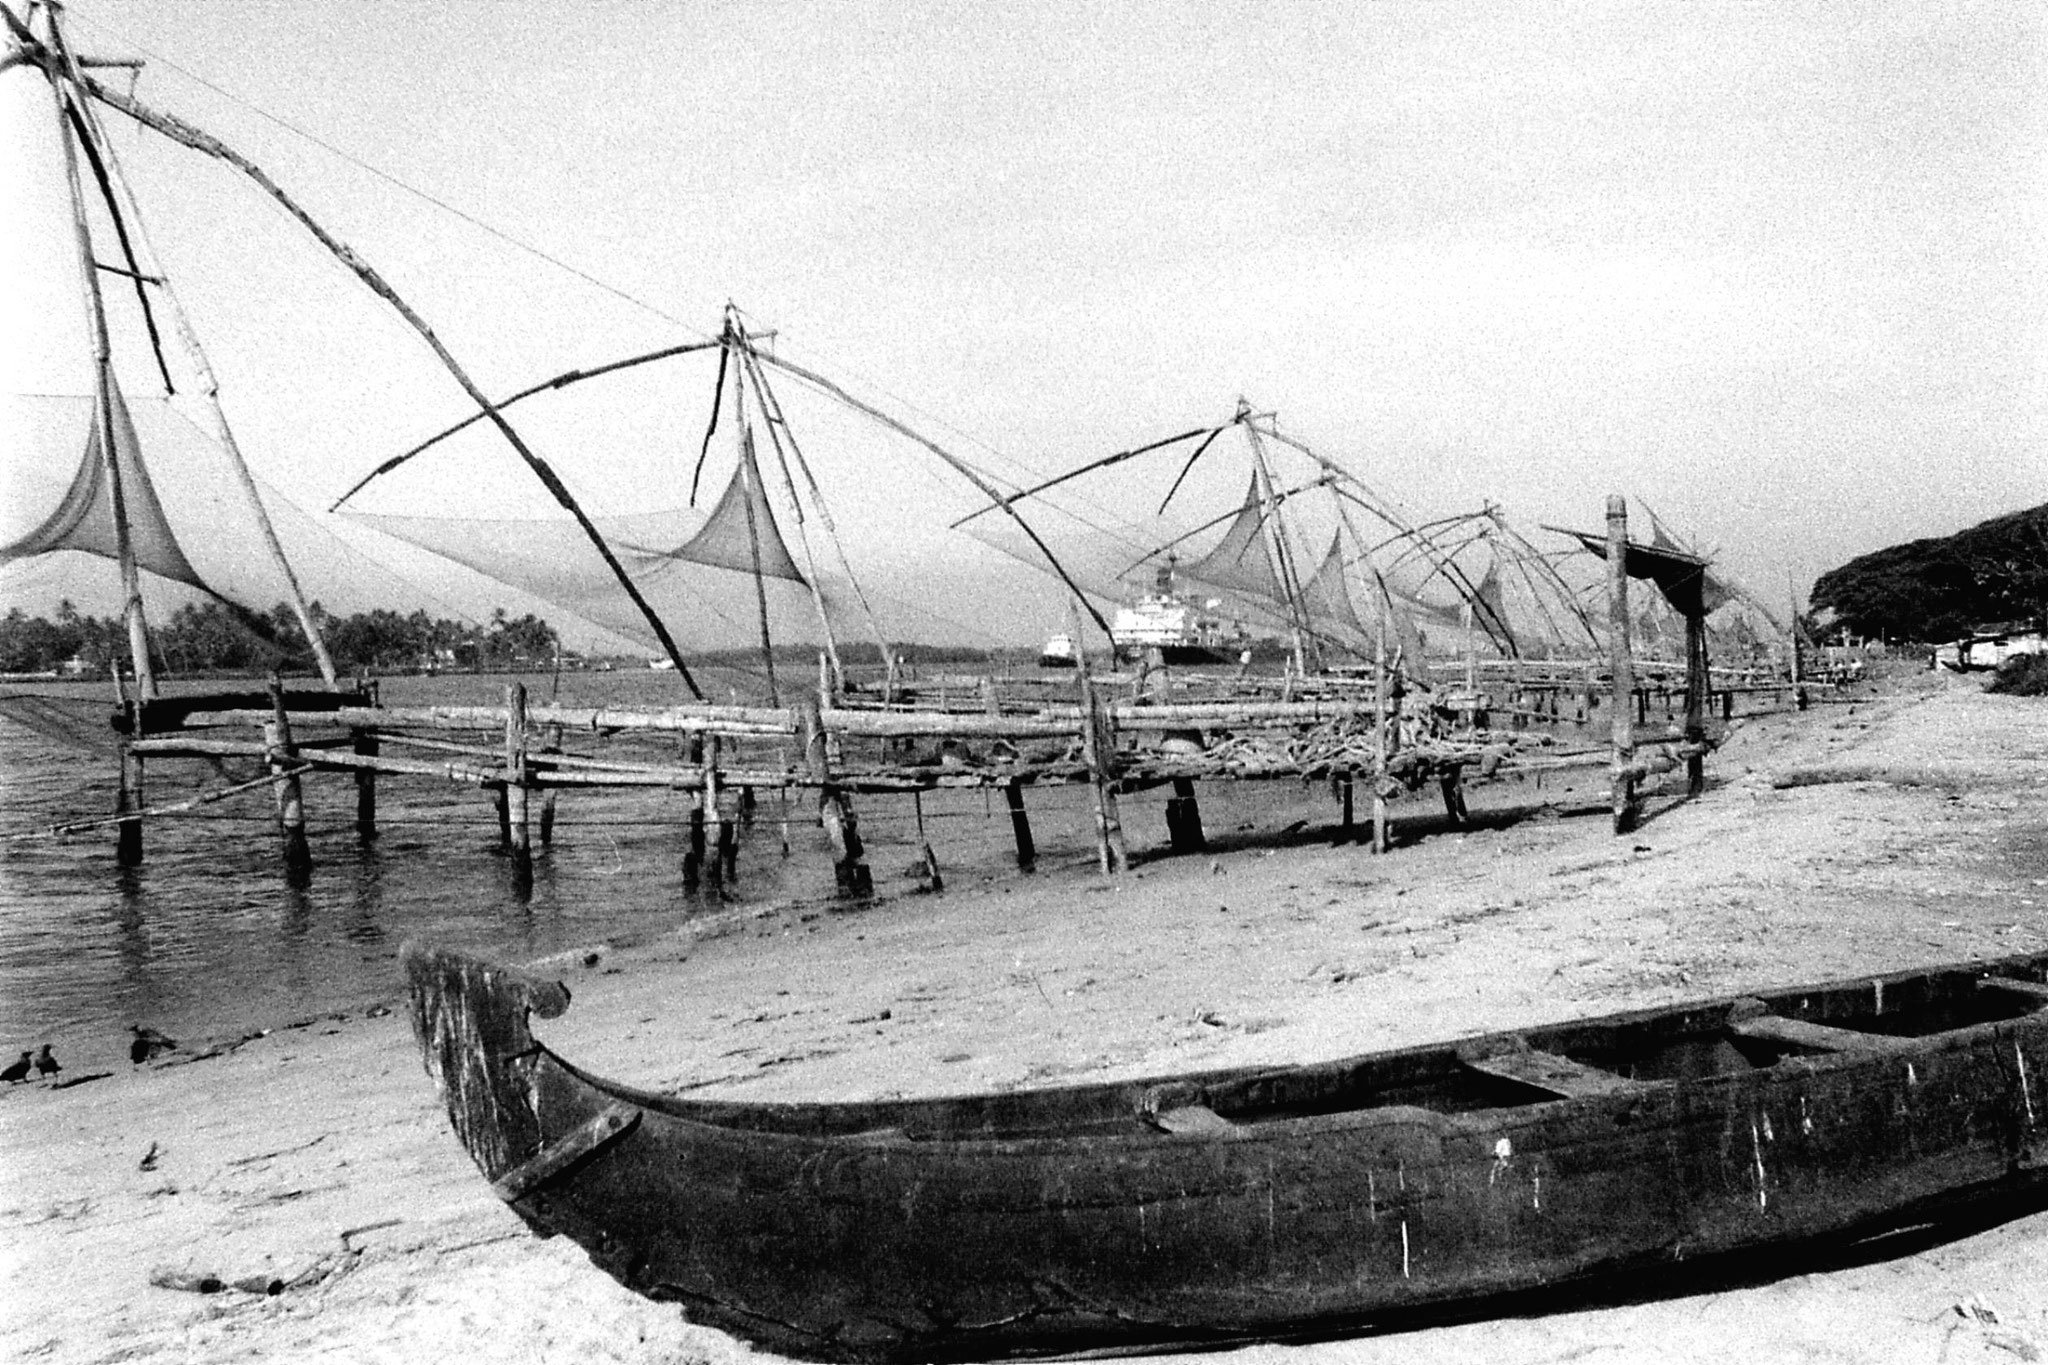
(1900, 826)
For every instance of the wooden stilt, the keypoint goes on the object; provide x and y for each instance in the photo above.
(693, 856)
(547, 800)
(1622, 662)
(291, 805)
(928, 865)
(518, 789)
(128, 836)
(1098, 751)
(1346, 797)
(1383, 720)
(714, 747)
(842, 828)
(728, 851)
(1184, 818)
(1698, 686)
(364, 744)
(1020, 825)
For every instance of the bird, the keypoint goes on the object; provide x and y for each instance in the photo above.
(46, 1065)
(16, 1072)
(148, 1042)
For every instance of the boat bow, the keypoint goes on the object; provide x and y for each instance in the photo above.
(470, 1018)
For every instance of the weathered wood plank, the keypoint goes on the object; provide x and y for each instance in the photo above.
(1776, 1028)
(1548, 1071)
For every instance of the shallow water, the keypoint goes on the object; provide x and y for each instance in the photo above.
(208, 937)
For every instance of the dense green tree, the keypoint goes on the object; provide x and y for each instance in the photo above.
(1941, 588)
(214, 637)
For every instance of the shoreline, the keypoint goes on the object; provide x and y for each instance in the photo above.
(1910, 829)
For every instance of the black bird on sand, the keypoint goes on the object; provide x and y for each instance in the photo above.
(148, 1042)
(16, 1072)
(46, 1065)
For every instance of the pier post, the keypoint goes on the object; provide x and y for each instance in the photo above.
(928, 862)
(517, 788)
(1622, 662)
(1346, 796)
(1184, 818)
(1098, 751)
(842, 828)
(547, 800)
(291, 803)
(128, 835)
(1453, 789)
(1020, 825)
(364, 744)
(715, 833)
(1382, 721)
(1699, 684)
(693, 854)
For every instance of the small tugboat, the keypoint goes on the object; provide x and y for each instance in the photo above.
(1058, 652)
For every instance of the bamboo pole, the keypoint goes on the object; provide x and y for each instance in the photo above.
(1622, 662)
(750, 476)
(778, 429)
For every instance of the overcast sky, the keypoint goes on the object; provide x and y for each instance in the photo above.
(1774, 268)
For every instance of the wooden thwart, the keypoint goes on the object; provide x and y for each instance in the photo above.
(1776, 1028)
(1560, 1075)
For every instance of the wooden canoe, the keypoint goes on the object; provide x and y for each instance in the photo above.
(1267, 1201)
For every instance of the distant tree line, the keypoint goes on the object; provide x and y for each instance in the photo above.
(217, 638)
(1940, 589)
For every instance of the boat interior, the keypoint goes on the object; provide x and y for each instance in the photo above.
(1582, 1060)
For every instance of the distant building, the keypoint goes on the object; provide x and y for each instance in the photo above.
(1987, 647)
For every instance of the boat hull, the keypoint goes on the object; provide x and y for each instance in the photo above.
(1240, 1204)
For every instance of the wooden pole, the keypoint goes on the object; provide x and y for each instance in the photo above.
(547, 800)
(128, 835)
(714, 822)
(1622, 663)
(694, 848)
(928, 867)
(1020, 825)
(517, 788)
(291, 804)
(366, 745)
(1698, 682)
(1184, 818)
(849, 866)
(1098, 752)
(1382, 720)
